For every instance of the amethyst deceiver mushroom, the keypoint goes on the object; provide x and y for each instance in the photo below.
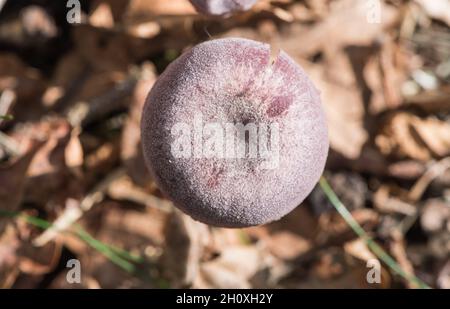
(202, 128)
(222, 7)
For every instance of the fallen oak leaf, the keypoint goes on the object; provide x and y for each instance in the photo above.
(185, 242)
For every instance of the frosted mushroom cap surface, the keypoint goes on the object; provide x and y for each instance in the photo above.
(223, 83)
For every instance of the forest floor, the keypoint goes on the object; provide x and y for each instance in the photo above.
(73, 184)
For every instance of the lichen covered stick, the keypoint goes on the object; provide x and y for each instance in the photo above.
(222, 7)
(232, 137)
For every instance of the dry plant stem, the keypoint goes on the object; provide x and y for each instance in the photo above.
(376, 249)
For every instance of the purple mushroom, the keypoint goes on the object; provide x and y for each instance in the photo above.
(234, 138)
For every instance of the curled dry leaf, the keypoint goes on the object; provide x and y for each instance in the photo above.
(287, 246)
(407, 135)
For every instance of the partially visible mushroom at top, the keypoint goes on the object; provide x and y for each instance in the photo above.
(222, 7)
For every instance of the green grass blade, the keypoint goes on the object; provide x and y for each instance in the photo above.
(376, 249)
(6, 117)
(105, 250)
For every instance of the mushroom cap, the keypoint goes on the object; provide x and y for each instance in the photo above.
(230, 82)
(222, 7)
